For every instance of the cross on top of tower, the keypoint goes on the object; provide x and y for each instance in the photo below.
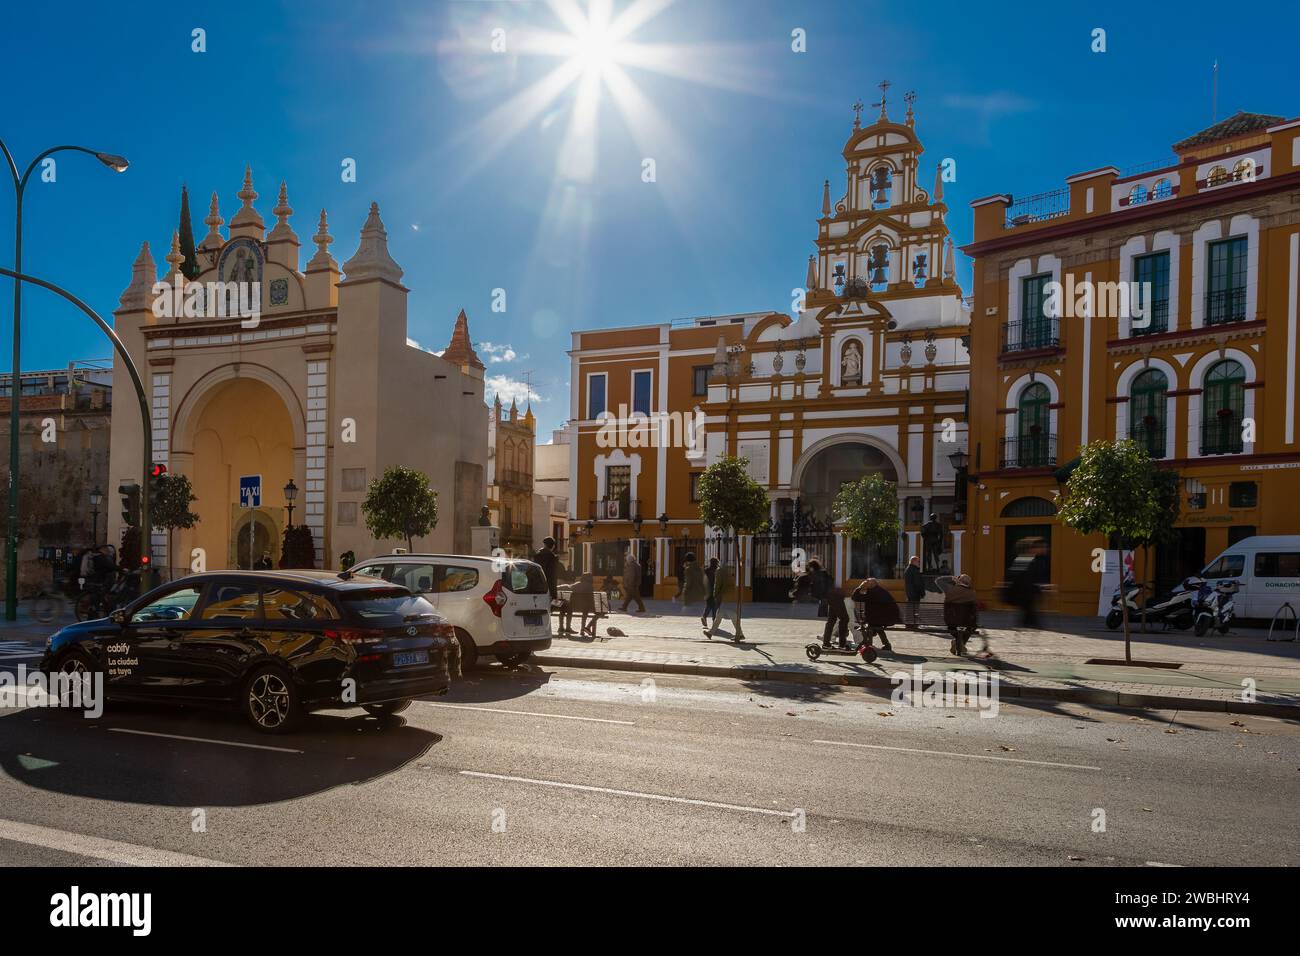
(884, 88)
(857, 114)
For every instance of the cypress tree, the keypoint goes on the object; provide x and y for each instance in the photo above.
(190, 267)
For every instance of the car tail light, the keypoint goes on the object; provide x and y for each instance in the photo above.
(496, 598)
(355, 635)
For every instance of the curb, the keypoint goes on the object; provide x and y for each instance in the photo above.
(1083, 695)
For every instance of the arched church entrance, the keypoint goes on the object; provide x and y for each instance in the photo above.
(241, 427)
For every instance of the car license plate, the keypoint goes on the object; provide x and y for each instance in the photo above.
(410, 657)
(532, 618)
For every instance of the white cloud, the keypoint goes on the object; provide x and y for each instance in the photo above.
(509, 389)
(416, 345)
(497, 352)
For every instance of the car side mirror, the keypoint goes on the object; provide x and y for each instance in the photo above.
(118, 617)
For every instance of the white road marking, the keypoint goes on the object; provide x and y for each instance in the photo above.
(115, 851)
(530, 713)
(205, 740)
(1154, 863)
(945, 753)
(630, 793)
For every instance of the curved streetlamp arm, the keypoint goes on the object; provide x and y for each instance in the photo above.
(146, 546)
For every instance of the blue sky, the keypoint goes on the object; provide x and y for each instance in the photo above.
(479, 191)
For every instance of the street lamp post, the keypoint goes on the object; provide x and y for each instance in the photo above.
(290, 493)
(117, 164)
(146, 423)
(96, 497)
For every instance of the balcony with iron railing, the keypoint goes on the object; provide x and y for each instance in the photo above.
(1225, 305)
(513, 478)
(1221, 433)
(516, 531)
(1054, 204)
(614, 509)
(1023, 336)
(1029, 451)
(1154, 322)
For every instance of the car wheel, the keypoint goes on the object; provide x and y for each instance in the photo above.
(514, 660)
(270, 701)
(390, 709)
(468, 651)
(78, 665)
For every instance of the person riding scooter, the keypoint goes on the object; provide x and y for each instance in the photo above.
(960, 610)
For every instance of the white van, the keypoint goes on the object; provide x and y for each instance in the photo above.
(498, 606)
(1267, 571)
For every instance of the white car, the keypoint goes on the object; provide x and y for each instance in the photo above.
(498, 606)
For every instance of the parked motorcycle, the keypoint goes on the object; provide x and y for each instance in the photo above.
(1215, 606)
(1178, 609)
(1116, 616)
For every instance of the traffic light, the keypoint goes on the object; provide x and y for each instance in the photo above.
(156, 474)
(130, 504)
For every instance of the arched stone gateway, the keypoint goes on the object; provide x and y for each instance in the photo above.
(317, 383)
(238, 426)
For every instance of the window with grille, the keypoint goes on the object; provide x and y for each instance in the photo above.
(1034, 421)
(1222, 405)
(1151, 273)
(700, 379)
(1035, 324)
(1146, 411)
(1225, 294)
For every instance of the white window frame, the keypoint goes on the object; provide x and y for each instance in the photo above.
(632, 381)
(605, 410)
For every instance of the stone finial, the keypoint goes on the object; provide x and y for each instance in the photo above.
(947, 258)
(938, 183)
(514, 411)
(322, 259)
(144, 273)
(371, 260)
(247, 216)
(174, 259)
(810, 282)
(826, 198)
(213, 239)
(282, 232)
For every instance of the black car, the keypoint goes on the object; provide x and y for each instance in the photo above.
(276, 644)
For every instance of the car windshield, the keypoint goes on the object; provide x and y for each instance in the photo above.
(384, 605)
(525, 577)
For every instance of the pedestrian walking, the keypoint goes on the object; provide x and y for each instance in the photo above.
(914, 588)
(721, 581)
(546, 558)
(632, 583)
(960, 610)
(879, 611)
(693, 586)
(582, 600)
(710, 601)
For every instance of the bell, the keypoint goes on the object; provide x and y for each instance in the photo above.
(878, 275)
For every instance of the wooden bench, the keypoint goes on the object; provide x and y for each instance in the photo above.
(600, 604)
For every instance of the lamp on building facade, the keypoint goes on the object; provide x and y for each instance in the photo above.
(663, 523)
(636, 525)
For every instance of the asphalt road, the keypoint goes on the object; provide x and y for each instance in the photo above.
(595, 767)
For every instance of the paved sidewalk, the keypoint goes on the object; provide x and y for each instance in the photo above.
(1048, 664)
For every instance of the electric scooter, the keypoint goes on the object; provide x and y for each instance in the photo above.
(1215, 606)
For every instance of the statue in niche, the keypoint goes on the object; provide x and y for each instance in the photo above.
(851, 365)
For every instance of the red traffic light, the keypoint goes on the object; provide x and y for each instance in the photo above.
(144, 559)
(158, 470)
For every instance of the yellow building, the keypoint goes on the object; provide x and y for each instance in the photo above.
(1204, 377)
(869, 375)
